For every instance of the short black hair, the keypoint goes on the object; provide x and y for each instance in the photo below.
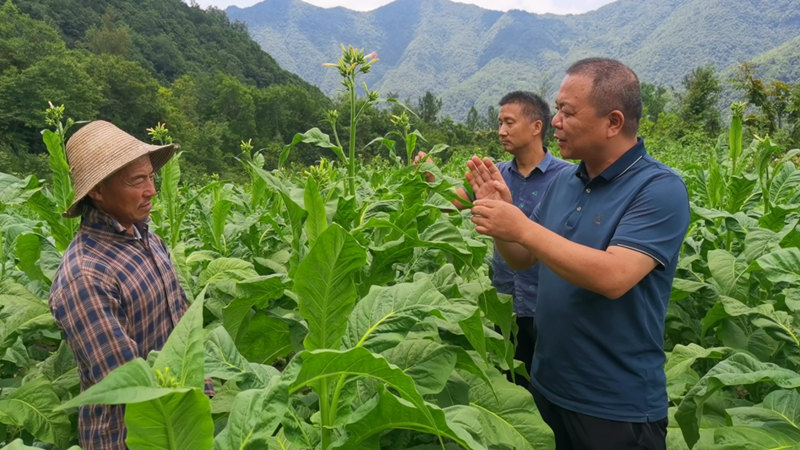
(615, 86)
(533, 107)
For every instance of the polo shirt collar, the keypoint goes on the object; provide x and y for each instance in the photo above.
(619, 167)
(544, 164)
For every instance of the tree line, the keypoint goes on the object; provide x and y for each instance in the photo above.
(165, 61)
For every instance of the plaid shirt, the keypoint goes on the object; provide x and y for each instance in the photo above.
(117, 297)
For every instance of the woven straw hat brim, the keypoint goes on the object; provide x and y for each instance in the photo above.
(99, 149)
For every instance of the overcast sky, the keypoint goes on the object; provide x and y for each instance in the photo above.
(534, 6)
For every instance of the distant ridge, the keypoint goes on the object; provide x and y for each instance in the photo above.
(470, 56)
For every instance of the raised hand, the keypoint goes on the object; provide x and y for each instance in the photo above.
(486, 180)
(421, 157)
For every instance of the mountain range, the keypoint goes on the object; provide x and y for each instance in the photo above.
(469, 56)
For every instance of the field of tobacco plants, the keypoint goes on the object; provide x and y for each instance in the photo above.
(347, 306)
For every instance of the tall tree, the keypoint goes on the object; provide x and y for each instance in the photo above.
(473, 119)
(773, 100)
(654, 100)
(699, 103)
(109, 37)
(429, 107)
(491, 117)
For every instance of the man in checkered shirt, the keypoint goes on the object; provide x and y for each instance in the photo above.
(116, 295)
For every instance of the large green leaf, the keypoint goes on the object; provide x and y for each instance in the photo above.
(781, 266)
(758, 242)
(386, 314)
(742, 437)
(225, 268)
(740, 190)
(22, 313)
(177, 421)
(222, 359)
(779, 413)
(62, 229)
(738, 369)
(62, 185)
(28, 252)
(505, 413)
(268, 338)
(255, 415)
(679, 366)
(182, 354)
(313, 136)
(61, 370)
(683, 288)
(783, 189)
(168, 194)
(16, 353)
(316, 221)
(257, 291)
(429, 363)
(325, 287)
(33, 408)
(16, 191)
(18, 444)
(386, 412)
(726, 271)
(682, 357)
(131, 382)
(319, 365)
(295, 216)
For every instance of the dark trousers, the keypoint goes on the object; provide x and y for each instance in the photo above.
(581, 432)
(523, 350)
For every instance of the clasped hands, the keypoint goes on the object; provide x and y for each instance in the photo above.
(493, 213)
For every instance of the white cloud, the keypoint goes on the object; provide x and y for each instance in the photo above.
(534, 6)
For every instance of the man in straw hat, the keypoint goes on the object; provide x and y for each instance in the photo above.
(116, 295)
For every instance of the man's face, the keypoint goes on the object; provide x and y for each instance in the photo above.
(516, 131)
(126, 195)
(578, 128)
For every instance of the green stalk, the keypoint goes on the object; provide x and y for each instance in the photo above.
(351, 169)
(325, 411)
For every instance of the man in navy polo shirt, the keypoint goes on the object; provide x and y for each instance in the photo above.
(608, 235)
(524, 120)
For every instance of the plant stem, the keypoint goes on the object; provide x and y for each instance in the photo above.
(352, 161)
(325, 413)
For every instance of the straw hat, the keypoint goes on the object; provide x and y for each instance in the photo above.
(99, 149)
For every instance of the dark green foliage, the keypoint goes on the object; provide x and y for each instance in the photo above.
(140, 63)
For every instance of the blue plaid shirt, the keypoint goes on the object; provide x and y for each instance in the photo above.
(526, 193)
(116, 296)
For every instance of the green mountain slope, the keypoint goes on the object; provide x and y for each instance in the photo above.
(167, 36)
(140, 63)
(470, 56)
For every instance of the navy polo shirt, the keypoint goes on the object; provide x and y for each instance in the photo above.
(526, 192)
(597, 356)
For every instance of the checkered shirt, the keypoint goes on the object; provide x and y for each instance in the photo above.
(116, 296)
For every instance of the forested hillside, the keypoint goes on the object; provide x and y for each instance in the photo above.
(470, 56)
(140, 63)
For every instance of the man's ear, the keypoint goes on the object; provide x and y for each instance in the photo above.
(537, 127)
(96, 194)
(615, 122)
